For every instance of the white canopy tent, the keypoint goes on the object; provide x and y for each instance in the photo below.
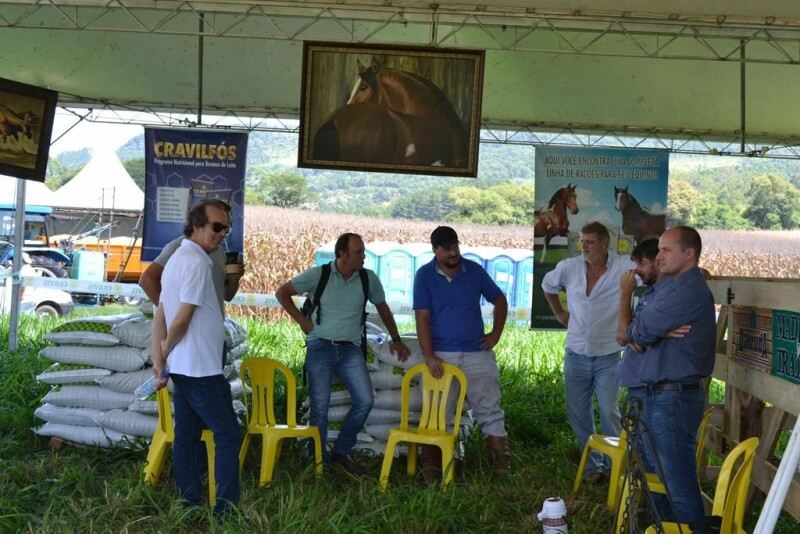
(103, 184)
(37, 194)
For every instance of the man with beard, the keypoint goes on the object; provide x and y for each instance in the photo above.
(447, 296)
(591, 281)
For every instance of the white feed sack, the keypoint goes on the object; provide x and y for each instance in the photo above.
(119, 358)
(236, 353)
(336, 414)
(136, 332)
(72, 376)
(235, 334)
(87, 435)
(392, 399)
(88, 397)
(382, 380)
(127, 422)
(361, 437)
(52, 413)
(128, 382)
(81, 337)
(144, 406)
(385, 355)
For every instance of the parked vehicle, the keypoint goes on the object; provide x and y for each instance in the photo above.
(43, 301)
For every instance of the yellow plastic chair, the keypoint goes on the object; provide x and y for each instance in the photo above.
(730, 495)
(162, 441)
(433, 424)
(261, 415)
(616, 449)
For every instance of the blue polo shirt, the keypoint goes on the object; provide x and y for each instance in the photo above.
(341, 304)
(455, 304)
(688, 300)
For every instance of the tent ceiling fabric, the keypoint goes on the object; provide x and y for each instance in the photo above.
(639, 64)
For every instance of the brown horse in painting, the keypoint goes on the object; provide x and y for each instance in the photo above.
(370, 133)
(637, 220)
(412, 95)
(554, 221)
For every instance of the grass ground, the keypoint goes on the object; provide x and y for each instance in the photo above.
(90, 490)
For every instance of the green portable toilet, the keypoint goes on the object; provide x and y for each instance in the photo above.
(472, 254)
(88, 265)
(324, 254)
(421, 252)
(395, 269)
(502, 268)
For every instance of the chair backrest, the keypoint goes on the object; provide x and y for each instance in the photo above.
(731, 491)
(164, 411)
(435, 394)
(700, 452)
(261, 409)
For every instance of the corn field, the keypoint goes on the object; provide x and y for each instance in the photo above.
(280, 243)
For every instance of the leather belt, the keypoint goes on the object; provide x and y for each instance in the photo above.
(336, 342)
(674, 386)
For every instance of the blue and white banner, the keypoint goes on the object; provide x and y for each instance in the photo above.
(624, 189)
(183, 168)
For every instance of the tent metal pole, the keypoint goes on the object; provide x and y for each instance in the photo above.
(202, 25)
(19, 232)
(742, 96)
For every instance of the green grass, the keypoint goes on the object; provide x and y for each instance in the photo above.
(89, 490)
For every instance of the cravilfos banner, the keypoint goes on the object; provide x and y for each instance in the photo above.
(184, 167)
(626, 190)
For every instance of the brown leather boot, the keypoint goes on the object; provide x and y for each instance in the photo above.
(499, 453)
(430, 462)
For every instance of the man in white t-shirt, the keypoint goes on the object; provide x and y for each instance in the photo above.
(193, 352)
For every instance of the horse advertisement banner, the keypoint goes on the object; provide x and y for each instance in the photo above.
(388, 108)
(626, 190)
(26, 124)
(183, 168)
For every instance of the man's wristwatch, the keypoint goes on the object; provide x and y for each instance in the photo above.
(396, 339)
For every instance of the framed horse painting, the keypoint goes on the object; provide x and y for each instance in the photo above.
(26, 123)
(389, 108)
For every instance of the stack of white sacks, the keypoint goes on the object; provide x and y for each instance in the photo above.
(100, 361)
(386, 373)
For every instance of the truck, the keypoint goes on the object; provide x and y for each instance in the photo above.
(83, 257)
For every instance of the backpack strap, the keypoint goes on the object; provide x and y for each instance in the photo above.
(362, 273)
(323, 281)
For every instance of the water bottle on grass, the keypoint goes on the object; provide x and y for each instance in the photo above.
(148, 387)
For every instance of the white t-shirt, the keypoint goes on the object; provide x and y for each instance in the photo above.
(187, 279)
(217, 271)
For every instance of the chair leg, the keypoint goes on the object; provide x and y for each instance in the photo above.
(208, 438)
(448, 465)
(317, 452)
(243, 450)
(268, 458)
(156, 458)
(613, 483)
(413, 458)
(581, 467)
(388, 456)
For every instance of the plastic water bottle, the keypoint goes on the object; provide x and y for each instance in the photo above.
(554, 516)
(148, 387)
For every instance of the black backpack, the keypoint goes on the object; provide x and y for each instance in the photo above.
(313, 303)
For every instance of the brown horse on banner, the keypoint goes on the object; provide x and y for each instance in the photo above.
(412, 95)
(637, 220)
(554, 221)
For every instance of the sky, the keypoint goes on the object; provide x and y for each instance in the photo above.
(95, 135)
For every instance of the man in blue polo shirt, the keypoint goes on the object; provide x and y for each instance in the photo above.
(333, 342)
(447, 306)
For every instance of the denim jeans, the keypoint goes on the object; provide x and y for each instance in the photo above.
(583, 376)
(205, 403)
(673, 418)
(324, 361)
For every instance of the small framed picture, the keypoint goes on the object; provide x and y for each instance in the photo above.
(26, 124)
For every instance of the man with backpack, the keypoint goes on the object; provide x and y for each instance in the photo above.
(335, 343)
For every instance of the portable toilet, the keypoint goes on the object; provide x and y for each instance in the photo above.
(88, 265)
(324, 254)
(421, 252)
(395, 269)
(502, 268)
(523, 283)
(473, 254)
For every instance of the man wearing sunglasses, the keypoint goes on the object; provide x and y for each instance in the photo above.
(189, 314)
(226, 280)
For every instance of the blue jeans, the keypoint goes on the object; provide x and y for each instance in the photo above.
(323, 361)
(205, 403)
(673, 418)
(583, 376)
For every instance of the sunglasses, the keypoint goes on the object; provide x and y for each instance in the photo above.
(219, 227)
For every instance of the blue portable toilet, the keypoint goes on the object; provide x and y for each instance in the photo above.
(88, 265)
(502, 268)
(523, 280)
(473, 254)
(395, 269)
(324, 253)
(421, 252)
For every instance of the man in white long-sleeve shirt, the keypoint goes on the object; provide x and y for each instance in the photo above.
(591, 281)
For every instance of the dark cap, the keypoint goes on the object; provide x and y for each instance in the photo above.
(444, 236)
